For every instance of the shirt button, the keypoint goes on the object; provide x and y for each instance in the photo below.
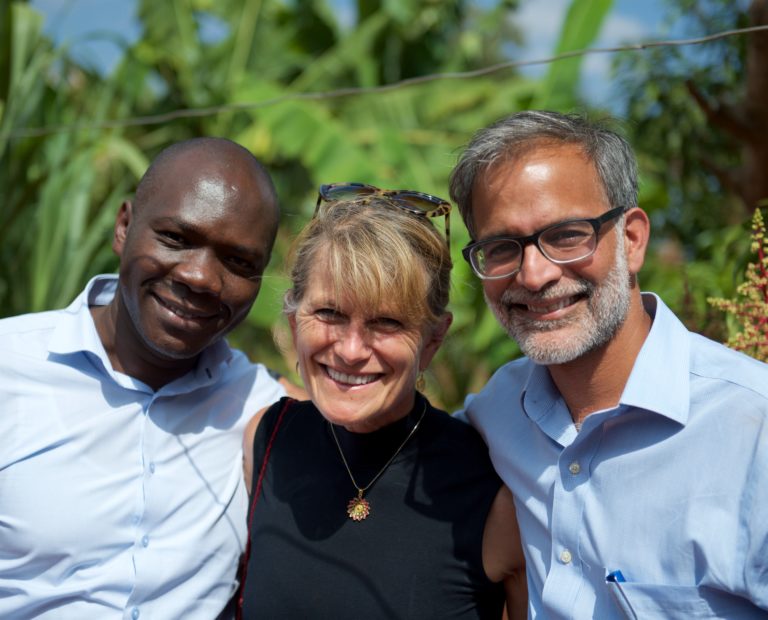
(151, 468)
(135, 613)
(145, 541)
(574, 468)
(565, 556)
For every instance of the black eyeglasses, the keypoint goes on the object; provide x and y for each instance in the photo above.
(418, 203)
(564, 242)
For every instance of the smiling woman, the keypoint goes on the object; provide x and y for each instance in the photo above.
(365, 316)
(367, 500)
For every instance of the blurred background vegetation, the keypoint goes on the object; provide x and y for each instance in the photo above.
(699, 122)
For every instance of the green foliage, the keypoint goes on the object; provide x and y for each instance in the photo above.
(54, 227)
(683, 151)
(62, 190)
(698, 247)
(580, 28)
(749, 306)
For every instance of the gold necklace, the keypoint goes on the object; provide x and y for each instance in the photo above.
(358, 507)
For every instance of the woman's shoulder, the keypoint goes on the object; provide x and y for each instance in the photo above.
(451, 438)
(280, 413)
(286, 409)
(453, 428)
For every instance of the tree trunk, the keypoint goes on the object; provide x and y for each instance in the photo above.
(747, 122)
(755, 109)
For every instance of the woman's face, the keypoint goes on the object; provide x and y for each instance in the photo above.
(359, 366)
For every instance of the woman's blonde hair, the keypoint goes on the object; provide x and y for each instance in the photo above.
(377, 256)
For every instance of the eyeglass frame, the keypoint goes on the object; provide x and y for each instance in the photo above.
(597, 224)
(442, 206)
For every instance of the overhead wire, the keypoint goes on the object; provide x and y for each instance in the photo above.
(155, 119)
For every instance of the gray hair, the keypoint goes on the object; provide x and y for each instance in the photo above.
(519, 133)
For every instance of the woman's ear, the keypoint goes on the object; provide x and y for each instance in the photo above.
(434, 339)
(292, 324)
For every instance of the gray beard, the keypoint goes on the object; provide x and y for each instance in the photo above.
(606, 310)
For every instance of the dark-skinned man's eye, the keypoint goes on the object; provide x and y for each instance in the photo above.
(171, 239)
(243, 266)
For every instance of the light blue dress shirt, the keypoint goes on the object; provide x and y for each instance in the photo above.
(670, 487)
(117, 501)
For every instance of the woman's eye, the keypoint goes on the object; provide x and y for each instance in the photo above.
(388, 324)
(328, 315)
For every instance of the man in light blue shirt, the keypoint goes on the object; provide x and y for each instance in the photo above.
(637, 451)
(121, 416)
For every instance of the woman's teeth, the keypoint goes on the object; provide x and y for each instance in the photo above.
(350, 379)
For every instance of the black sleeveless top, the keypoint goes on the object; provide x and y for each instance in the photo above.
(418, 555)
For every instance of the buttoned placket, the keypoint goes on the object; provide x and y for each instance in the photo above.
(571, 486)
(142, 535)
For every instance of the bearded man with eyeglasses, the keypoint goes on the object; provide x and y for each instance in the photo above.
(637, 451)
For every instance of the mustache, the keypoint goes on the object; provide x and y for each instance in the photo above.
(522, 297)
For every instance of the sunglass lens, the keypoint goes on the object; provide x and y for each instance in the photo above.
(347, 191)
(414, 201)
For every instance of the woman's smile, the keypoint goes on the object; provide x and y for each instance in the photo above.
(351, 379)
(359, 364)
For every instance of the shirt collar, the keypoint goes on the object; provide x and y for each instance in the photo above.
(659, 381)
(542, 403)
(76, 333)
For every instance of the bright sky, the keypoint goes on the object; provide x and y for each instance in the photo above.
(630, 21)
(93, 28)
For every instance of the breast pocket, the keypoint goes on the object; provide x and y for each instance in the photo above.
(642, 601)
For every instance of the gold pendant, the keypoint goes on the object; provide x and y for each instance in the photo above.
(358, 507)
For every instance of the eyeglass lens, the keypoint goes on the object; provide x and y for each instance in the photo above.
(564, 243)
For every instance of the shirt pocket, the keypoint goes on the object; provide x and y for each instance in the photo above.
(641, 601)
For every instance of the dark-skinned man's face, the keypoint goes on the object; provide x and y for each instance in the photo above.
(192, 255)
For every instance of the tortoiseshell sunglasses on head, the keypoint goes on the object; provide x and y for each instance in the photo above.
(418, 203)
